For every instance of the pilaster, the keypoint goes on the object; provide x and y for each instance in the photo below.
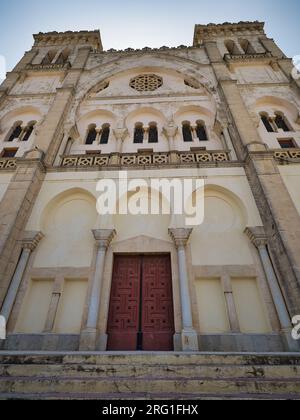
(15, 209)
(259, 239)
(189, 336)
(29, 242)
(276, 207)
(103, 238)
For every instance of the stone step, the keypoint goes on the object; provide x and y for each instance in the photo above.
(129, 370)
(144, 359)
(145, 396)
(189, 385)
(169, 376)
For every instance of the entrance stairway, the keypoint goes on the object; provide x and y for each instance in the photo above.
(163, 376)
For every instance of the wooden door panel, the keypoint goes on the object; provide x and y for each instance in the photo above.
(123, 320)
(141, 314)
(157, 304)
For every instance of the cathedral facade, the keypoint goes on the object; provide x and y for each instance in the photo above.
(224, 111)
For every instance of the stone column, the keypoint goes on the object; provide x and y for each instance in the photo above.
(189, 335)
(103, 239)
(120, 135)
(29, 243)
(170, 132)
(259, 239)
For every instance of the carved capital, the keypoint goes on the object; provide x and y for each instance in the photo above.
(255, 118)
(120, 133)
(170, 130)
(180, 236)
(71, 130)
(103, 237)
(219, 127)
(257, 236)
(31, 240)
(35, 153)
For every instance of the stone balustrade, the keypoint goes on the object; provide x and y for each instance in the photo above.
(246, 57)
(7, 163)
(287, 154)
(146, 159)
(47, 67)
(153, 159)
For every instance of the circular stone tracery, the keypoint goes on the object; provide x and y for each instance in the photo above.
(146, 82)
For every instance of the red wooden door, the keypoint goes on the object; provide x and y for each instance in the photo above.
(141, 315)
(123, 323)
(157, 305)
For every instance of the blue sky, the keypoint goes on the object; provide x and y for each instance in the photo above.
(132, 23)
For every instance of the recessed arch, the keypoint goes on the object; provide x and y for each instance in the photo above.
(145, 115)
(68, 216)
(150, 225)
(61, 197)
(210, 189)
(24, 114)
(159, 62)
(276, 104)
(193, 113)
(220, 239)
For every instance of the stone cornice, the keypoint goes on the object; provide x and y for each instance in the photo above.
(210, 31)
(69, 37)
(243, 59)
(48, 67)
(149, 49)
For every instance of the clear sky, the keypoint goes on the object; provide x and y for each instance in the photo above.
(140, 23)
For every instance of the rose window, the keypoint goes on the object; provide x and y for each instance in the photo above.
(146, 82)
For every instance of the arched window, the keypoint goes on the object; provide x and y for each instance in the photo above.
(91, 135)
(187, 131)
(281, 123)
(105, 134)
(232, 47)
(266, 121)
(63, 57)
(139, 133)
(247, 47)
(201, 131)
(16, 131)
(28, 131)
(153, 133)
(49, 57)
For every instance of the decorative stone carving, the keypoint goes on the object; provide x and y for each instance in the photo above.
(31, 240)
(146, 82)
(170, 130)
(120, 133)
(35, 153)
(103, 237)
(257, 235)
(255, 118)
(180, 236)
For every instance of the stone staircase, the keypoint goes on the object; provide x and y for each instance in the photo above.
(162, 376)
